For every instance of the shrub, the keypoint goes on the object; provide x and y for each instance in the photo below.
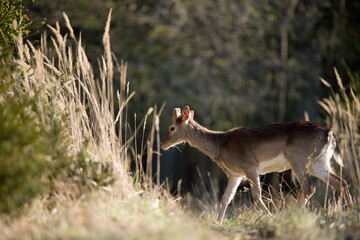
(13, 17)
(29, 150)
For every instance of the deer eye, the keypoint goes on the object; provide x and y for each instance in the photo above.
(172, 129)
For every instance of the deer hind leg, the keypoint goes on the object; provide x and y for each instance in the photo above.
(306, 190)
(298, 170)
(341, 186)
(336, 182)
(254, 179)
(228, 196)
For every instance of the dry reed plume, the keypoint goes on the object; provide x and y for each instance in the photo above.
(64, 78)
(343, 115)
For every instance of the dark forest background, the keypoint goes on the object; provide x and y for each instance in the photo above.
(234, 62)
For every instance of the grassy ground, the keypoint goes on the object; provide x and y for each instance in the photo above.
(96, 203)
(295, 223)
(106, 215)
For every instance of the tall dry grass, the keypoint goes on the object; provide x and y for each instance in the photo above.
(86, 106)
(94, 117)
(343, 116)
(63, 78)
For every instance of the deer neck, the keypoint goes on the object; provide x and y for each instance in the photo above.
(207, 141)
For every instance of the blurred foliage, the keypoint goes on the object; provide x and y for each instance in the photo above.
(234, 62)
(89, 174)
(13, 18)
(32, 155)
(25, 160)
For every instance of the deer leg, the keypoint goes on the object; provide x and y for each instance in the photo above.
(299, 170)
(228, 196)
(306, 191)
(254, 178)
(342, 188)
(336, 182)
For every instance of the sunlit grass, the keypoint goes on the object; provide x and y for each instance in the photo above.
(104, 215)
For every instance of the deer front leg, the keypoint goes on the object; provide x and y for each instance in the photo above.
(253, 176)
(228, 195)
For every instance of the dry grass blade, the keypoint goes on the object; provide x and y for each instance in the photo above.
(326, 83)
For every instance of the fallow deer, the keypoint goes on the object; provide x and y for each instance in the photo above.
(304, 147)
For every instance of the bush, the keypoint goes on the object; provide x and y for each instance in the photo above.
(13, 17)
(28, 149)
(89, 174)
(32, 154)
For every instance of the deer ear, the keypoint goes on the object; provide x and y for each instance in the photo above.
(176, 114)
(185, 113)
(192, 114)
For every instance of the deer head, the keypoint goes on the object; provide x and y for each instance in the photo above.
(178, 130)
